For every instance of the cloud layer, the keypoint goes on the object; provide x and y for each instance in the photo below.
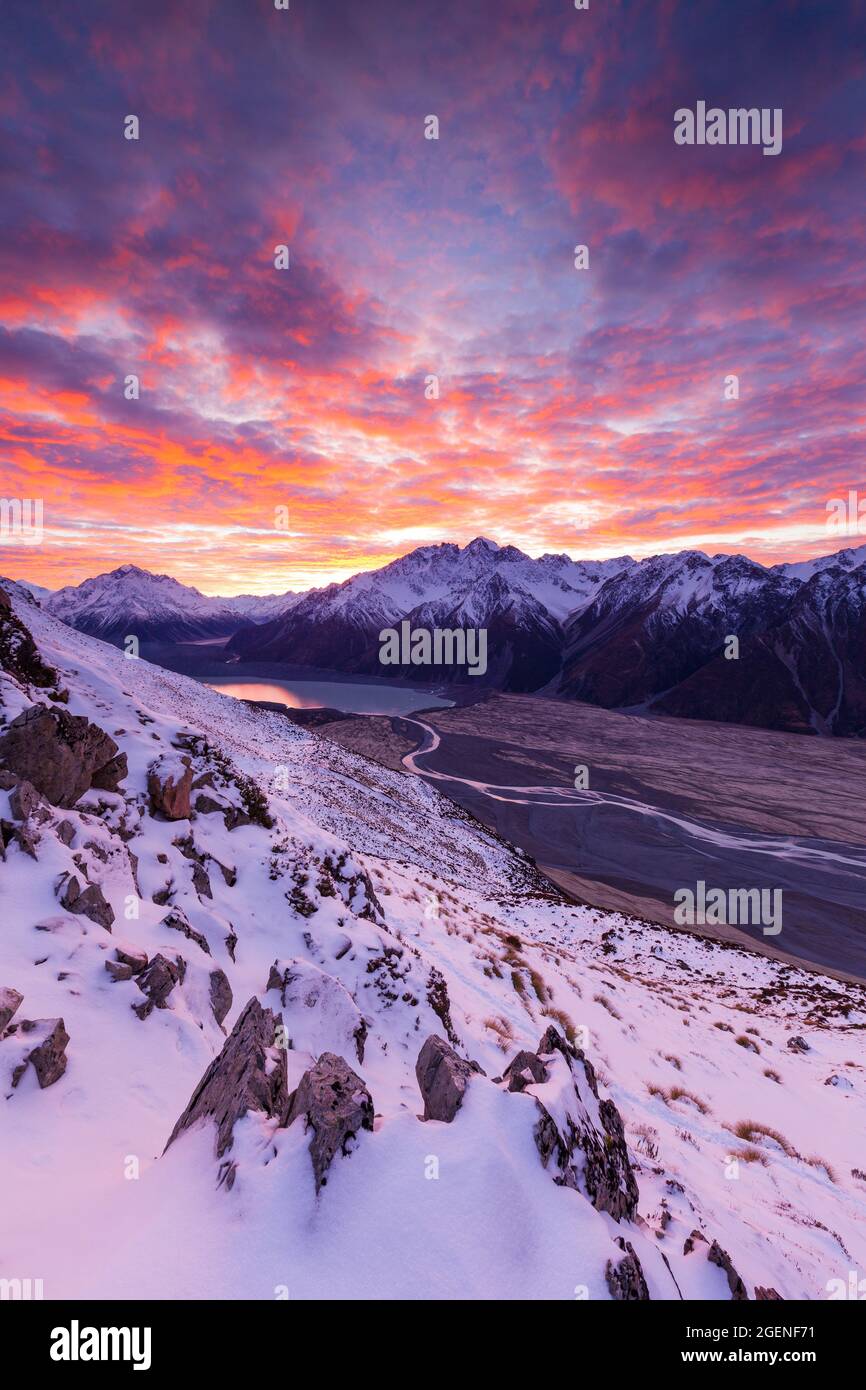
(578, 410)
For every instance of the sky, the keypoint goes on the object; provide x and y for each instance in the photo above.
(286, 432)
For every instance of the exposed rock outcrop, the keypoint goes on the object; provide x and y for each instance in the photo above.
(45, 1041)
(24, 799)
(62, 755)
(157, 981)
(169, 782)
(579, 1136)
(177, 920)
(625, 1279)
(717, 1256)
(19, 654)
(526, 1069)
(87, 902)
(10, 1002)
(220, 994)
(336, 1105)
(249, 1074)
(442, 1079)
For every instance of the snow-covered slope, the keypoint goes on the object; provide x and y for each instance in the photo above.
(367, 913)
(154, 607)
(521, 602)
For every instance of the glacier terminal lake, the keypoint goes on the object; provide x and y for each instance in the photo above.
(350, 697)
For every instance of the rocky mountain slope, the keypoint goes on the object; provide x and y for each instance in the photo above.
(276, 1022)
(153, 607)
(520, 601)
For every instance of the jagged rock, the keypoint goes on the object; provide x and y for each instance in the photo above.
(220, 994)
(440, 1002)
(691, 1240)
(48, 1054)
(234, 817)
(336, 1105)
(580, 1136)
(442, 1079)
(526, 1069)
(249, 1074)
(625, 1279)
(177, 920)
(62, 755)
(207, 805)
(763, 1295)
(717, 1256)
(157, 981)
(798, 1044)
(19, 654)
(66, 832)
(88, 902)
(320, 1013)
(10, 1002)
(169, 781)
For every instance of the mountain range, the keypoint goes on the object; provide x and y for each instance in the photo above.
(651, 635)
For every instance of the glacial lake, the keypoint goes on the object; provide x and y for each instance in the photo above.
(351, 697)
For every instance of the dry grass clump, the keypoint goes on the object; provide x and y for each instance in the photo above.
(675, 1093)
(503, 1030)
(606, 1004)
(753, 1131)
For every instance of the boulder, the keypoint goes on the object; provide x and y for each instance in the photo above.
(169, 782)
(87, 902)
(46, 1040)
(336, 1105)
(62, 755)
(249, 1074)
(798, 1044)
(442, 1079)
(10, 1002)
